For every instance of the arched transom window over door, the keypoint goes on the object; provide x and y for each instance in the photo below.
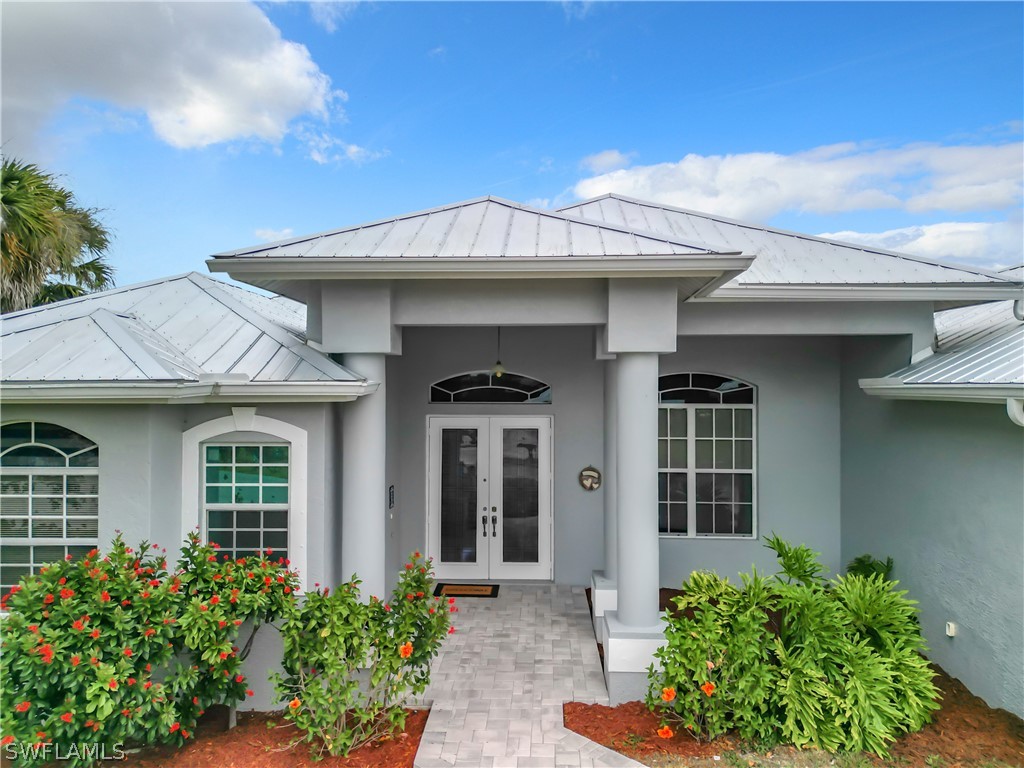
(49, 497)
(707, 456)
(489, 387)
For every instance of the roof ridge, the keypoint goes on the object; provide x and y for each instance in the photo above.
(459, 206)
(791, 233)
(128, 341)
(64, 303)
(281, 335)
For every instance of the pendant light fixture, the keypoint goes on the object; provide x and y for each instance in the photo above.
(497, 370)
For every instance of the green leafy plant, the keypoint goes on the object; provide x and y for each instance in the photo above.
(715, 673)
(866, 565)
(799, 563)
(349, 666)
(113, 650)
(845, 672)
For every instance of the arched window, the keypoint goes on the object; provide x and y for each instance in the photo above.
(49, 497)
(247, 491)
(707, 456)
(488, 387)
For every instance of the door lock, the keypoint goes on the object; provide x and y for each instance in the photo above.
(494, 524)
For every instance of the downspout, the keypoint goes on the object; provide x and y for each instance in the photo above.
(1018, 309)
(1015, 410)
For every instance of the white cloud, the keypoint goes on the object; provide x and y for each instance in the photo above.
(323, 148)
(605, 161)
(330, 13)
(827, 179)
(202, 73)
(539, 202)
(438, 51)
(577, 9)
(270, 235)
(995, 244)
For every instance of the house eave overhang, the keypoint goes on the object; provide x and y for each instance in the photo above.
(426, 268)
(960, 292)
(964, 393)
(184, 392)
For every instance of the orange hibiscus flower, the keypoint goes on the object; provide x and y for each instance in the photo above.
(668, 694)
(708, 688)
(405, 650)
(665, 732)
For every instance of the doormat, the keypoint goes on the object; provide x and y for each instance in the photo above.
(466, 590)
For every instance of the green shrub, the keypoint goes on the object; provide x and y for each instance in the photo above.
(113, 650)
(845, 672)
(866, 565)
(349, 666)
(716, 673)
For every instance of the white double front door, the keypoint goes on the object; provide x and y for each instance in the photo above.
(489, 486)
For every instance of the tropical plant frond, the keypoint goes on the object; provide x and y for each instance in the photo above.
(45, 233)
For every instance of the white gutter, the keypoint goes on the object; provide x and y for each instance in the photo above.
(964, 393)
(1015, 410)
(226, 389)
(873, 292)
(300, 268)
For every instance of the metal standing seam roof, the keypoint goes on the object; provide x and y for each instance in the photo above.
(781, 257)
(177, 329)
(482, 228)
(981, 345)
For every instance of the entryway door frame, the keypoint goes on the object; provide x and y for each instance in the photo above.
(489, 564)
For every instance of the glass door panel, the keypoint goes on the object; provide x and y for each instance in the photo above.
(459, 462)
(519, 495)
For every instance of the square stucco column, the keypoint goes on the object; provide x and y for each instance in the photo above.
(636, 486)
(611, 523)
(363, 479)
(603, 595)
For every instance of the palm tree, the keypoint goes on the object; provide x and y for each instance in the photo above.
(46, 236)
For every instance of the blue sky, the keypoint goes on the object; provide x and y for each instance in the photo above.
(204, 127)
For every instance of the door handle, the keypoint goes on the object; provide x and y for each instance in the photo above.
(485, 526)
(494, 524)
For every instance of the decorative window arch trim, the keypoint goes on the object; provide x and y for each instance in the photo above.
(700, 381)
(707, 456)
(506, 387)
(246, 420)
(73, 528)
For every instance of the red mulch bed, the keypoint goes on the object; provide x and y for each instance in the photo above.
(964, 732)
(251, 744)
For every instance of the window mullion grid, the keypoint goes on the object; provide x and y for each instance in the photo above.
(691, 473)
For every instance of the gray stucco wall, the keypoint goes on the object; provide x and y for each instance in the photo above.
(140, 464)
(798, 446)
(939, 487)
(140, 467)
(561, 356)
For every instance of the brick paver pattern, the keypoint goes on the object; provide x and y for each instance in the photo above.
(498, 685)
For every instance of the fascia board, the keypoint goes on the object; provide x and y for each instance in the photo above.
(964, 393)
(971, 291)
(672, 265)
(170, 392)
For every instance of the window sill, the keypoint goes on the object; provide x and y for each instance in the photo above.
(719, 537)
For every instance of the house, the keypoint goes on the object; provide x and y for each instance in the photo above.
(614, 394)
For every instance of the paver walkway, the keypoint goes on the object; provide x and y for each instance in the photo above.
(498, 685)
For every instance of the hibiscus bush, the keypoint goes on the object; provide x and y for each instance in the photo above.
(831, 664)
(113, 650)
(349, 666)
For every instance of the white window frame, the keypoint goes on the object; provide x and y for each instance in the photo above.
(42, 541)
(240, 506)
(691, 468)
(221, 431)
